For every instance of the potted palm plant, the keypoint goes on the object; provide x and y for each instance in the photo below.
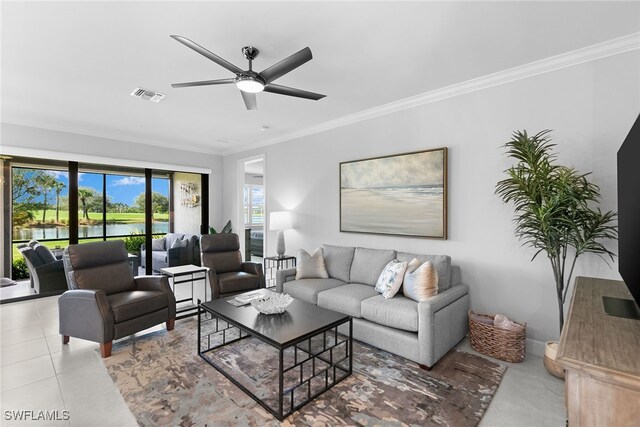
(555, 210)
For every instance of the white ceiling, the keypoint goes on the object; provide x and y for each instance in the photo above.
(72, 65)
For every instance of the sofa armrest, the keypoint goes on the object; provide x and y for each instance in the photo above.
(285, 275)
(52, 267)
(158, 283)
(179, 256)
(255, 268)
(86, 314)
(442, 323)
(50, 278)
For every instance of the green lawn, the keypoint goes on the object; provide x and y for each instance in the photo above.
(122, 218)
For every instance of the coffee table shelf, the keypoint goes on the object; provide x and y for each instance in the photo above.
(312, 355)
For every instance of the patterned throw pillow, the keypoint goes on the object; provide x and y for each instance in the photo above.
(158, 244)
(420, 281)
(311, 266)
(390, 279)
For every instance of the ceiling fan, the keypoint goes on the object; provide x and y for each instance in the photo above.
(248, 81)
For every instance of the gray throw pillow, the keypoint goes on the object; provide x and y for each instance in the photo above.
(180, 243)
(311, 266)
(158, 244)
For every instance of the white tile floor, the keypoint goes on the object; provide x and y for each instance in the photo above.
(38, 373)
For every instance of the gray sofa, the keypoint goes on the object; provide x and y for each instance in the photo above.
(166, 256)
(422, 332)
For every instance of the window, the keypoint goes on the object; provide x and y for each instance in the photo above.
(40, 210)
(253, 205)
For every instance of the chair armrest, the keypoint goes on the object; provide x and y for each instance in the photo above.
(442, 323)
(157, 283)
(86, 314)
(213, 283)
(284, 276)
(254, 268)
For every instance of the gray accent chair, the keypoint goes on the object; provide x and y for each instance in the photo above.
(105, 301)
(419, 331)
(168, 256)
(228, 275)
(46, 272)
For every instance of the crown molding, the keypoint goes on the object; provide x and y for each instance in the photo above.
(595, 52)
(113, 136)
(103, 160)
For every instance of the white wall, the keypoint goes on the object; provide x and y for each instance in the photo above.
(590, 108)
(72, 146)
(186, 219)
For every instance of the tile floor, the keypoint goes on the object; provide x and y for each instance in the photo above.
(38, 373)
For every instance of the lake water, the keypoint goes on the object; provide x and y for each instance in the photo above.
(84, 231)
(413, 211)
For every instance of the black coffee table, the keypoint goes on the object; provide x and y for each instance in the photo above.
(312, 355)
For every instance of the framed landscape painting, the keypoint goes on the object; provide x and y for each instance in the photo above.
(403, 194)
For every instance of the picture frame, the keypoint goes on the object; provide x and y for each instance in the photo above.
(401, 194)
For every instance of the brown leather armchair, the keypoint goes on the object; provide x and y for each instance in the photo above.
(228, 275)
(104, 301)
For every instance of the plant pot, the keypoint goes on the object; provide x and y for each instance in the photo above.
(554, 368)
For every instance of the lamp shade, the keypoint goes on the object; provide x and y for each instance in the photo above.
(280, 220)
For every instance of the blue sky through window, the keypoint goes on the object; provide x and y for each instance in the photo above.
(120, 188)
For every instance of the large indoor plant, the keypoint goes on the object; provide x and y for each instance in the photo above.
(555, 208)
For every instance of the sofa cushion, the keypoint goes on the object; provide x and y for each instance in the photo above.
(310, 266)
(368, 264)
(442, 263)
(338, 261)
(236, 281)
(129, 305)
(398, 312)
(308, 289)
(346, 299)
(390, 279)
(44, 253)
(158, 244)
(159, 256)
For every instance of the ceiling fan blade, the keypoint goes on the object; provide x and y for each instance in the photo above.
(286, 90)
(205, 83)
(212, 56)
(250, 100)
(286, 65)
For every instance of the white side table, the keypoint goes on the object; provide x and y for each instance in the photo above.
(187, 274)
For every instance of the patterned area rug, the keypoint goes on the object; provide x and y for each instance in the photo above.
(165, 382)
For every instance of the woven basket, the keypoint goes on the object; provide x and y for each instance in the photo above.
(500, 343)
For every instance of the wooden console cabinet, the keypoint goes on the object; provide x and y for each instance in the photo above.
(601, 355)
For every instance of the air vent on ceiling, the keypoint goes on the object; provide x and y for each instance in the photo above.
(148, 95)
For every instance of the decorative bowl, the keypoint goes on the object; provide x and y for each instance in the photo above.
(272, 304)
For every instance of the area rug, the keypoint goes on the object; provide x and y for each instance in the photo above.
(165, 382)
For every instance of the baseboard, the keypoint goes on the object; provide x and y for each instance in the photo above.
(535, 347)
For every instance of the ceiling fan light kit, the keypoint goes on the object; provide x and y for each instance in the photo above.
(248, 81)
